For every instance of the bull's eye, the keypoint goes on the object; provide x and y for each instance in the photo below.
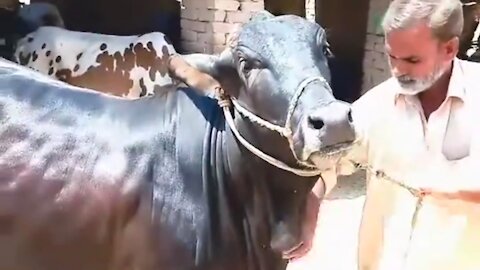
(245, 65)
(326, 51)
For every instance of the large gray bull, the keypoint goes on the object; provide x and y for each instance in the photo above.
(176, 181)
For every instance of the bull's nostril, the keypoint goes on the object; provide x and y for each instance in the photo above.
(315, 123)
(349, 115)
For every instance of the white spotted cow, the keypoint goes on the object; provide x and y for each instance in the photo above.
(125, 66)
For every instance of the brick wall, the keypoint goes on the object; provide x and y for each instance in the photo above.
(206, 24)
(375, 65)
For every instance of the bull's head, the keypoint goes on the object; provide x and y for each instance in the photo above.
(263, 67)
(277, 69)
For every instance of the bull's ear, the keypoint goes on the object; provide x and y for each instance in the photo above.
(221, 67)
(205, 63)
(261, 16)
(210, 63)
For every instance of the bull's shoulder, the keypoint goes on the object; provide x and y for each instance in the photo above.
(469, 71)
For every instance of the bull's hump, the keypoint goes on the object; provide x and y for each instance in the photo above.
(59, 141)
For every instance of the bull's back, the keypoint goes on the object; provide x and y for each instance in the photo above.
(89, 181)
(127, 66)
(73, 173)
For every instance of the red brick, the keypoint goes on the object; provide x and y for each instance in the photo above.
(189, 35)
(189, 13)
(370, 43)
(237, 17)
(212, 38)
(251, 6)
(194, 47)
(194, 3)
(220, 27)
(193, 25)
(225, 5)
(218, 48)
(211, 15)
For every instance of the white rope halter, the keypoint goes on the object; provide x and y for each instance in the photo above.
(226, 102)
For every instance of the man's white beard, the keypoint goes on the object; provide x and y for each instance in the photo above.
(412, 86)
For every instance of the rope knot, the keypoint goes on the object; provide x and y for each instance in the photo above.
(224, 103)
(223, 98)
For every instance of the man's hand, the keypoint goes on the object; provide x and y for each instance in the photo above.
(308, 228)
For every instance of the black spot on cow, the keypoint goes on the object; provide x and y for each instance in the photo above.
(34, 56)
(143, 87)
(76, 68)
(79, 55)
(103, 47)
(30, 39)
(50, 63)
(169, 42)
(44, 45)
(48, 53)
(50, 71)
(58, 59)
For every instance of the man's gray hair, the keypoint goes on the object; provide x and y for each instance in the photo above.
(444, 17)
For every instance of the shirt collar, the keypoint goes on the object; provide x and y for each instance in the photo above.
(456, 86)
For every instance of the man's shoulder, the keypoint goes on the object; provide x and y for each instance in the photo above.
(380, 95)
(468, 64)
(374, 105)
(470, 69)
(470, 76)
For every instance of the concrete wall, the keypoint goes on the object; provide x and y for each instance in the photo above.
(347, 40)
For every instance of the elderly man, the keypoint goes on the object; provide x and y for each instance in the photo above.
(420, 141)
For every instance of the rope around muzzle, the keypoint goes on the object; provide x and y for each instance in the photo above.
(226, 102)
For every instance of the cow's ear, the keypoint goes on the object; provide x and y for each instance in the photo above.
(221, 67)
(261, 16)
(210, 63)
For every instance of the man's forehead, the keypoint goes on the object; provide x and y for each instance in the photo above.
(410, 41)
(416, 32)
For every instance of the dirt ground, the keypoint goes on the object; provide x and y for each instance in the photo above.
(336, 237)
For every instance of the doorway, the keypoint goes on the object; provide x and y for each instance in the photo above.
(283, 7)
(346, 25)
